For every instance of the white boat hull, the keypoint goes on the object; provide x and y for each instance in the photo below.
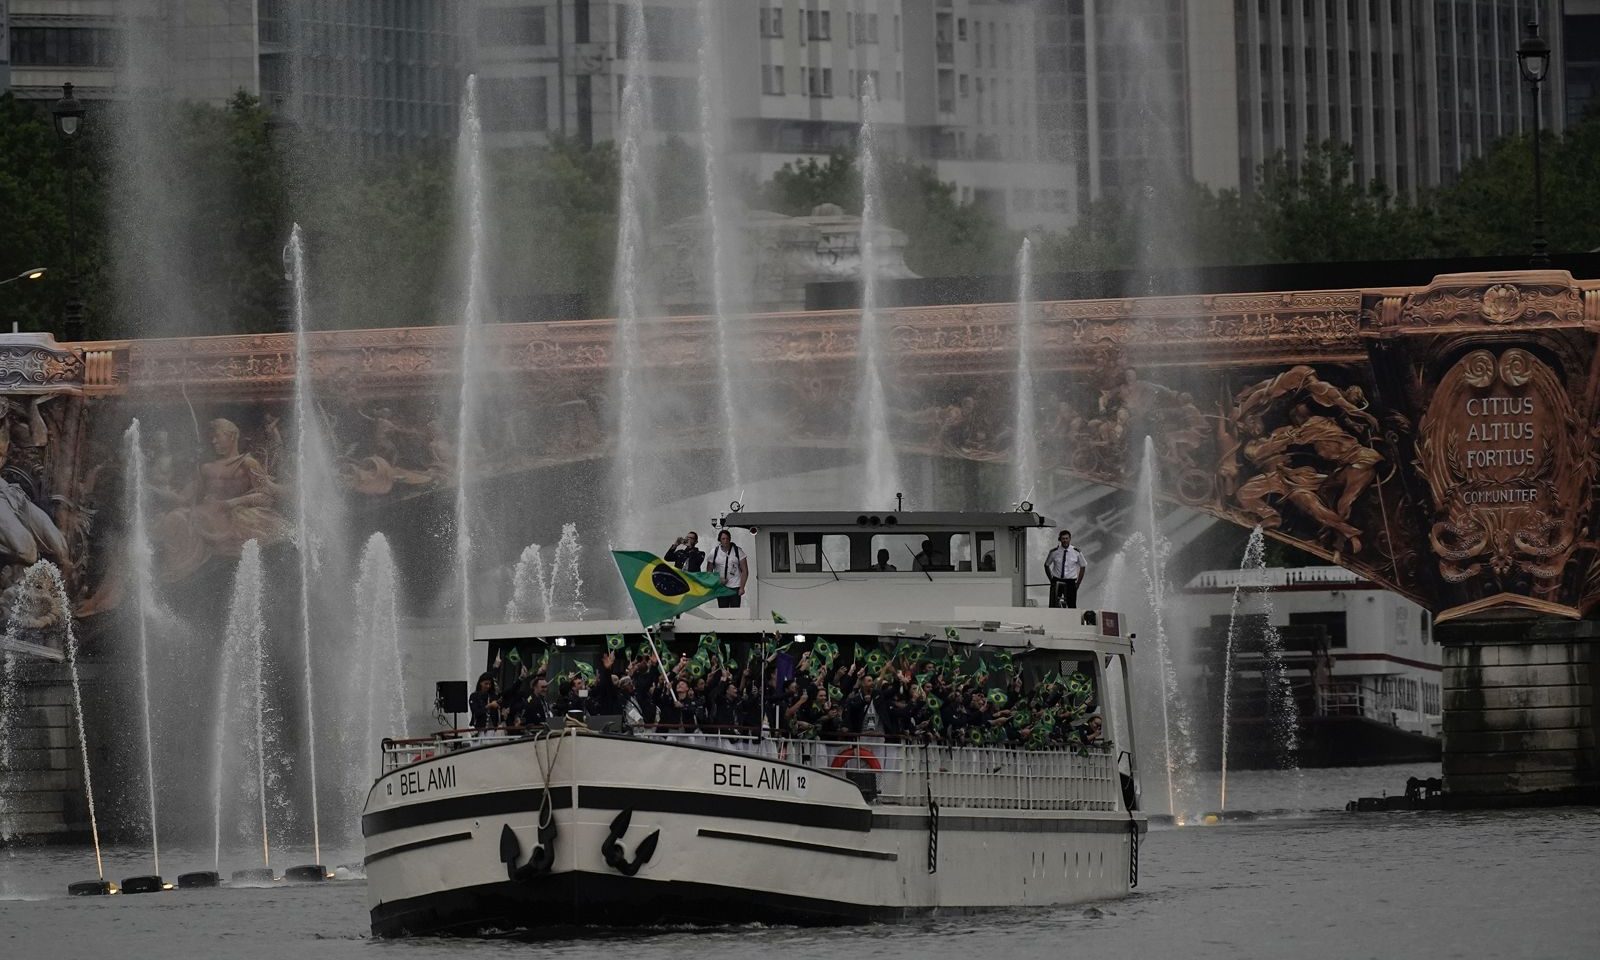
(741, 838)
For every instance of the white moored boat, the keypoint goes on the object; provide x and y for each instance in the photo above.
(616, 823)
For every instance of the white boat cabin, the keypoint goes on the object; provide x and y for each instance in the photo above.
(885, 566)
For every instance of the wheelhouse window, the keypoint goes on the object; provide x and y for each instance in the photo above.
(875, 552)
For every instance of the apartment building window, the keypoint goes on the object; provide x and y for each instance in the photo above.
(580, 21)
(877, 91)
(772, 22)
(512, 26)
(961, 86)
(827, 81)
(961, 29)
(818, 25)
(872, 28)
(977, 43)
(63, 47)
(772, 81)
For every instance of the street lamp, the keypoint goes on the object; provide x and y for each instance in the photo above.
(36, 273)
(1533, 59)
(68, 114)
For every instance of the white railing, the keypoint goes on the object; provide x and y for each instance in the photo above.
(901, 774)
(995, 778)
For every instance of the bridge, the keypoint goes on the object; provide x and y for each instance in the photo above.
(1438, 440)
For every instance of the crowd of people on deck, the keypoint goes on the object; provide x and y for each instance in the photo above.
(809, 691)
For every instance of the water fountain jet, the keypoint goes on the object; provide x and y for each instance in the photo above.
(882, 469)
(711, 120)
(142, 559)
(303, 528)
(628, 463)
(243, 647)
(1025, 432)
(470, 194)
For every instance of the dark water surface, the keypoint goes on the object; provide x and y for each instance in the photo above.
(1318, 883)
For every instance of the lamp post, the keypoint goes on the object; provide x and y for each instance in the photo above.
(33, 273)
(1533, 60)
(68, 115)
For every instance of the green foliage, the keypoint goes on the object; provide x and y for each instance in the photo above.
(33, 196)
(382, 235)
(1318, 212)
(944, 237)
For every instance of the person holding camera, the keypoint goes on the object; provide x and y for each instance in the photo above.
(1065, 566)
(685, 553)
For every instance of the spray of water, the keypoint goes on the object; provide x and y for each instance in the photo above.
(1254, 559)
(309, 563)
(1154, 551)
(712, 119)
(1025, 466)
(530, 588)
(628, 464)
(142, 559)
(376, 673)
(470, 195)
(45, 576)
(243, 698)
(10, 696)
(566, 577)
(882, 469)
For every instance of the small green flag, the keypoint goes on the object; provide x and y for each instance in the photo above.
(513, 656)
(586, 669)
(997, 697)
(614, 642)
(659, 590)
(778, 617)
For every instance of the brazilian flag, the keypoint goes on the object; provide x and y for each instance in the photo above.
(661, 591)
(614, 642)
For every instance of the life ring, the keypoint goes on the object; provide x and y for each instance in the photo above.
(865, 756)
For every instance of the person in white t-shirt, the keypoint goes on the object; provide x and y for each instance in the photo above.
(1065, 566)
(731, 566)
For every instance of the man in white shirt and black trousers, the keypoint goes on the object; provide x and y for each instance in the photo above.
(1065, 566)
(730, 565)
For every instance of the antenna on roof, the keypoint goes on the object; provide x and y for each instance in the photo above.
(899, 502)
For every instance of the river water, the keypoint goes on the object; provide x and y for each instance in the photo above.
(1307, 881)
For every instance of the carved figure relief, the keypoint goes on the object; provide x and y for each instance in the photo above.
(1506, 462)
(1295, 444)
(230, 500)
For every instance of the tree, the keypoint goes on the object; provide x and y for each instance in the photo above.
(1315, 211)
(33, 194)
(944, 236)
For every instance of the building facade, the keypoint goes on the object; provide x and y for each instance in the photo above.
(381, 75)
(954, 84)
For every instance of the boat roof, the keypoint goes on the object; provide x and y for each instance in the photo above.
(1020, 628)
(914, 521)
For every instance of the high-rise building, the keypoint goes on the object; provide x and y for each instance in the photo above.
(1130, 89)
(380, 75)
(1417, 87)
(1580, 26)
(954, 82)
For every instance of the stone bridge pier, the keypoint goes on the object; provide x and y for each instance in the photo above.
(1440, 441)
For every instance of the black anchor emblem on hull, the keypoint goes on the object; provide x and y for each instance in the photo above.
(544, 853)
(612, 850)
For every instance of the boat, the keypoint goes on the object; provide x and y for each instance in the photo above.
(1361, 665)
(606, 820)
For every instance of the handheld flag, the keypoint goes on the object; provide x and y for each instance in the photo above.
(778, 617)
(659, 590)
(615, 642)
